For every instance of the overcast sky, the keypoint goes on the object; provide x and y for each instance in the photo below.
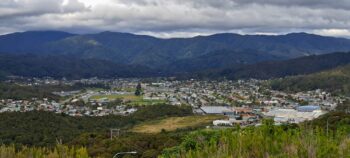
(178, 18)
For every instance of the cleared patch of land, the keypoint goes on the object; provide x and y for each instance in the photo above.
(173, 123)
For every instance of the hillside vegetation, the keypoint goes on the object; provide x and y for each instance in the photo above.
(232, 65)
(336, 80)
(59, 151)
(309, 139)
(291, 67)
(59, 66)
(264, 141)
(45, 128)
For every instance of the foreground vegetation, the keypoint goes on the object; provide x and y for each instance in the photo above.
(59, 151)
(309, 139)
(39, 132)
(45, 128)
(264, 141)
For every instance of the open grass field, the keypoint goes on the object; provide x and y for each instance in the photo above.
(130, 98)
(173, 123)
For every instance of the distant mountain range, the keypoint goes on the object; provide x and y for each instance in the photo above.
(223, 53)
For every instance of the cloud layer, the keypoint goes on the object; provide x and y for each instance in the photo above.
(173, 18)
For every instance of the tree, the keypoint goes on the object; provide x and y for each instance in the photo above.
(138, 89)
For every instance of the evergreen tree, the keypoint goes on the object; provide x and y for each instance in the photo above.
(138, 89)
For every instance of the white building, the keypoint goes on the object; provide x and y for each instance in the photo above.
(292, 115)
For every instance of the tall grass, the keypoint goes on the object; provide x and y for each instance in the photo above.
(266, 141)
(60, 151)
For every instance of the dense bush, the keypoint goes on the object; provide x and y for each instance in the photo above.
(146, 145)
(45, 128)
(59, 151)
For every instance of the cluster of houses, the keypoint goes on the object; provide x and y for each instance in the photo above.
(244, 102)
(10, 105)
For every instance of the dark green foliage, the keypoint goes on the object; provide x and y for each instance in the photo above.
(12, 91)
(218, 60)
(2, 76)
(138, 90)
(298, 66)
(336, 81)
(336, 120)
(44, 128)
(147, 145)
(66, 66)
(345, 107)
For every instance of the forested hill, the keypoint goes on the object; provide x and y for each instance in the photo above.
(336, 80)
(29, 42)
(276, 69)
(59, 66)
(30, 65)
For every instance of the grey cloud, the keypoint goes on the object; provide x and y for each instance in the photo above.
(73, 6)
(17, 8)
(178, 17)
(337, 4)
